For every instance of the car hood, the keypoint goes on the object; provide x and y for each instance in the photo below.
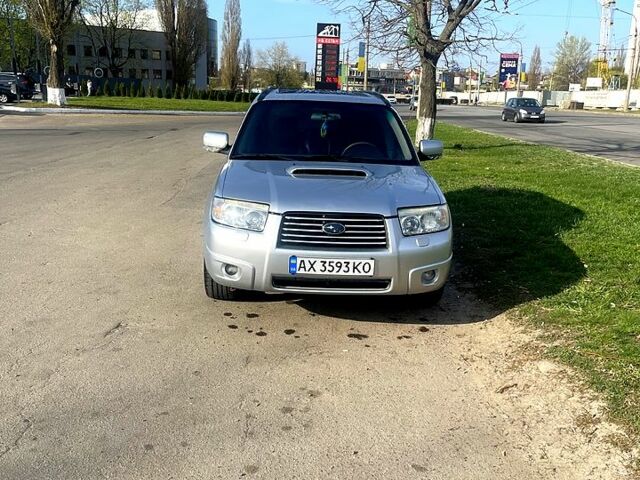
(531, 109)
(329, 187)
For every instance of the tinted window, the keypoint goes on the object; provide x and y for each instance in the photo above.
(310, 129)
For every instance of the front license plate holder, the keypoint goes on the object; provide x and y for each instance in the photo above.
(344, 267)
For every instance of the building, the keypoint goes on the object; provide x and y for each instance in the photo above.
(381, 79)
(145, 57)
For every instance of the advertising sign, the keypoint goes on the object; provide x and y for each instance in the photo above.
(509, 69)
(361, 49)
(327, 56)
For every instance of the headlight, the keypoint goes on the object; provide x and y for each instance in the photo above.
(542, 112)
(246, 215)
(415, 221)
(523, 111)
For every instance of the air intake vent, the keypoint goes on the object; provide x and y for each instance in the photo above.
(327, 172)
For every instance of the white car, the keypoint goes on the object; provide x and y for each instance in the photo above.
(391, 99)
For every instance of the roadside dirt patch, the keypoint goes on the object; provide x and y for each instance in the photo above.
(554, 418)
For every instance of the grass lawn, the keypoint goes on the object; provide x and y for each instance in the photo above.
(557, 236)
(146, 103)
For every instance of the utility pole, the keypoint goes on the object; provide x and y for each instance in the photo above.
(519, 72)
(366, 20)
(634, 57)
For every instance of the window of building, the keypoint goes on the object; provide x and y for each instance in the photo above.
(88, 51)
(102, 51)
(169, 75)
(118, 52)
(71, 70)
(168, 54)
(145, 73)
(71, 50)
(88, 71)
(132, 53)
(144, 54)
(157, 74)
(156, 55)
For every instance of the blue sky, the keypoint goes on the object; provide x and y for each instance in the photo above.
(541, 22)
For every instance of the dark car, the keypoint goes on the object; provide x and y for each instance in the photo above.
(23, 81)
(6, 95)
(523, 109)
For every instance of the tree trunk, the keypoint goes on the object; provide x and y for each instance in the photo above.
(55, 81)
(426, 111)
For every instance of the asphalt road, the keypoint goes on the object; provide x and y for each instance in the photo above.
(612, 136)
(114, 364)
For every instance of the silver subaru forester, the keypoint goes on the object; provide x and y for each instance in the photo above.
(323, 193)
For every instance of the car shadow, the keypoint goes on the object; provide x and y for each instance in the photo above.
(509, 245)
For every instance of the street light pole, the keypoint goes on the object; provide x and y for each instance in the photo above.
(366, 20)
(634, 58)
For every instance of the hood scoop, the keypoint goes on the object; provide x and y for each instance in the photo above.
(327, 172)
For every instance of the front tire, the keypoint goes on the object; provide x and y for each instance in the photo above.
(4, 98)
(541, 120)
(504, 117)
(516, 118)
(214, 290)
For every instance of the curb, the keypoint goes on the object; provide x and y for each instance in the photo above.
(94, 111)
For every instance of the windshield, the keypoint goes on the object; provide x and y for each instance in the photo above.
(528, 102)
(328, 131)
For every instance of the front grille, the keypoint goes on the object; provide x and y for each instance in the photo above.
(330, 283)
(304, 230)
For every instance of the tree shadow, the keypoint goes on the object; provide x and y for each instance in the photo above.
(509, 246)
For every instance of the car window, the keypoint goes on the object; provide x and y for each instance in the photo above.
(332, 130)
(528, 102)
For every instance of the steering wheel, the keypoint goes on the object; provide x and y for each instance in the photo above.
(366, 146)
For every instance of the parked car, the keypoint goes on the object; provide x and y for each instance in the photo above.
(6, 95)
(523, 109)
(325, 194)
(23, 81)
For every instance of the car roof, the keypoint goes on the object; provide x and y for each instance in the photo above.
(370, 98)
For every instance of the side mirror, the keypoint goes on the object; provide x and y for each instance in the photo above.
(430, 149)
(215, 141)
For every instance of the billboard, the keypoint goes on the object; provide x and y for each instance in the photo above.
(361, 54)
(327, 56)
(508, 69)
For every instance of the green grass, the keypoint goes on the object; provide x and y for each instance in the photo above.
(146, 103)
(555, 236)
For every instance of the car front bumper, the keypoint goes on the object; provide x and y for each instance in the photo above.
(263, 266)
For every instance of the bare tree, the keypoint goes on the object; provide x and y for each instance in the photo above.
(572, 59)
(619, 59)
(246, 61)
(231, 34)
(424, 30)
(111, 27)
(184, 23)
(276, 67)
(535, 69)
(53, 19)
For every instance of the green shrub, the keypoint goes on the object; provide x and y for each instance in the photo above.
(177, 93)
(151, 92)
(168, 93)
(125, 90)
(212, 95)
(83, 88)
(106, 88)
(159, 92)
(133, 89)
(141, 91)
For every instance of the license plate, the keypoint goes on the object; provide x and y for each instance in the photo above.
(534, 116)
(331, 266)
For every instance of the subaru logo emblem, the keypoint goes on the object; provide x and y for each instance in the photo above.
(333, 228)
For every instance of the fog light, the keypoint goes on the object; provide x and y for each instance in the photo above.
(230, 270)
(428, 276)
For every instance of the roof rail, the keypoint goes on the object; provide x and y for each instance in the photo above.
(264, 93)
(380, 96)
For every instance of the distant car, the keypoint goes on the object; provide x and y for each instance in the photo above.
(6, 95)
(522, 110)
(23, 81)
(391, 99)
